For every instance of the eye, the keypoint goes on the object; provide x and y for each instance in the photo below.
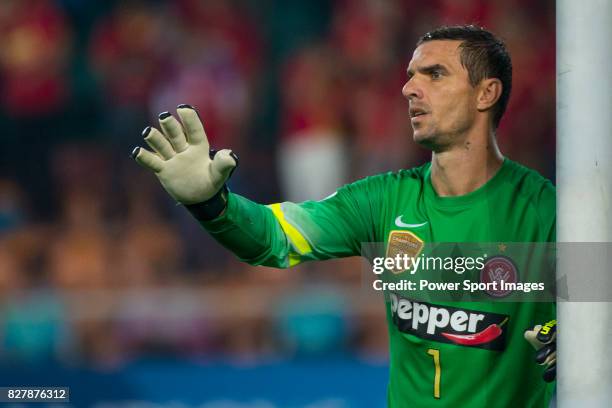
(436, 74)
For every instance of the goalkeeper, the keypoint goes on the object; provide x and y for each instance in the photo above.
(458, 87)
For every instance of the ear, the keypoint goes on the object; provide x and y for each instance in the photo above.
(489, 93)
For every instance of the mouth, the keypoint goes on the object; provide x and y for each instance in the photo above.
(417, 112)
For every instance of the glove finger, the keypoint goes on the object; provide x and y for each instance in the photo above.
(158, 143)
(550, 373)
(531, 337)
(192, 125)
(543, 353)
(551, 359)
(173, 131)
(223, 164)
(147, 159)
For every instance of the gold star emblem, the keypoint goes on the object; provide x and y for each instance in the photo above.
(502, 247)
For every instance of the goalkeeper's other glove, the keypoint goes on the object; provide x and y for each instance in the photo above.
(544, 340)
(192, 173)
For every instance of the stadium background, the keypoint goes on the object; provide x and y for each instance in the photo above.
(107, 286)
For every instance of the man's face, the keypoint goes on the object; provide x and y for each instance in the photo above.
(442, 100)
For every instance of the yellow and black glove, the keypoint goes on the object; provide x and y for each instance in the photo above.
(544, 340)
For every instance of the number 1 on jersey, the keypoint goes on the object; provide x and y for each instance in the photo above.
(437, 371)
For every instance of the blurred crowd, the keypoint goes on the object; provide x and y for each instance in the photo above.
(308, 93)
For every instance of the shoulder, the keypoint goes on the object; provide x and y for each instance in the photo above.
(384, 181)
(532, 186)
(537, 191)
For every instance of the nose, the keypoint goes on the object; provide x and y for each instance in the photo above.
(411, 90)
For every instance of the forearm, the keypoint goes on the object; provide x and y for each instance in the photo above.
(251, 232)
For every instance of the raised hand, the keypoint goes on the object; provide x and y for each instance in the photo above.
(182, 160)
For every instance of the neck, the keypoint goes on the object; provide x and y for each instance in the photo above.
(464, 168)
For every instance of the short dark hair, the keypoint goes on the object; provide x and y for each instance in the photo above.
(483, 55)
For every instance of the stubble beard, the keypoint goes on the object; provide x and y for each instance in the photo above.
(433, 140)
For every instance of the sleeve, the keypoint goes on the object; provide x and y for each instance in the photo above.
(286, 234)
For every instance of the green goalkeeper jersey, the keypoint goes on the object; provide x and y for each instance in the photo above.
(434, 360)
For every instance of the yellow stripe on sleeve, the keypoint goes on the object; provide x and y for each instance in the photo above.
(294, 259)
(296, 238)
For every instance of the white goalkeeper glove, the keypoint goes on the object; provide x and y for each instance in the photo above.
(544, 340)
(192, 173)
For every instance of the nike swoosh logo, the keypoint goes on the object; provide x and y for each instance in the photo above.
(399, 223)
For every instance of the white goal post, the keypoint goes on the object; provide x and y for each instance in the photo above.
(584, 189)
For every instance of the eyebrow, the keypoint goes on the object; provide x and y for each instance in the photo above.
(428, 69)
